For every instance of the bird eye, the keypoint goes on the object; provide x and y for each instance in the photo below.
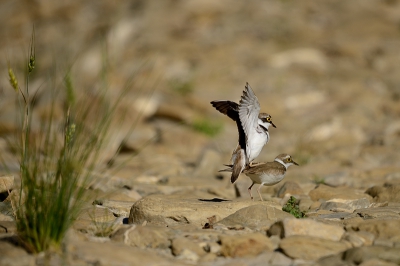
(268, 119)
(289, 159)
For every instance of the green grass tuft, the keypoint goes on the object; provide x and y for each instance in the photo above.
(292, 207)
(182, 87)
(207, 127)
(318, 180)
(56, 161)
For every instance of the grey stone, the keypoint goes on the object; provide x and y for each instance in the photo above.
(348, 205)
(336, 216)
(380, 213)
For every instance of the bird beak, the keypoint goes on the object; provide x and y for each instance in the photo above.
(273, 124)
(295, 163)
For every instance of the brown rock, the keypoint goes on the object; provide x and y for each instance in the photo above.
(378, 262)
(382, 228)
(289, 187)
(332, 260)
(143, 236)
(358, 239)
(180, 244)
(97, 214)
(256, 216)
(388, 192)
(312, 228)
(12, 255)
(245, 245)
(117, 207)
(363, 254)
(305, 203)
(6, 183)
(326, 193)
(265, 258)
(209, 164)
(187, 208)
(8, 227)
(310, 248)
(111, 253)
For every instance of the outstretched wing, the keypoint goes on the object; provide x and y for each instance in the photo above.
(249, 108)
(228, 108)
(231, 109)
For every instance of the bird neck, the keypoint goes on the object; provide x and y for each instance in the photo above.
(281, 162)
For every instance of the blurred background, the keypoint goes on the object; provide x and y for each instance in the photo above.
(327, 72)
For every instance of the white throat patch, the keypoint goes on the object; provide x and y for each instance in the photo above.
(281, 162)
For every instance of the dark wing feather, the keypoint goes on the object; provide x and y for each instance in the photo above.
(231, 109)
(228, 108)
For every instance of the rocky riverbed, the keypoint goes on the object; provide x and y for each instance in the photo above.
(327, 73)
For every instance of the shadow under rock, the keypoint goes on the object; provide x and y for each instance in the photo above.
(214, 200)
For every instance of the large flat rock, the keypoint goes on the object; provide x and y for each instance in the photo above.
(324, 192)
(188, 208)
(310, 248)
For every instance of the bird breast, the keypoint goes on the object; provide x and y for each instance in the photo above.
(267, 179)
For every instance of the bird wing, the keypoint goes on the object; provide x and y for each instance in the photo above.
(227, 108)
(231, 109)
(265, 167)
(249, 108)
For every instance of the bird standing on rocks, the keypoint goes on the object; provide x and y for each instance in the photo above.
(266, 174)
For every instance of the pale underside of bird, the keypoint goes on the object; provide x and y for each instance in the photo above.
(266, 174)
(252, 128)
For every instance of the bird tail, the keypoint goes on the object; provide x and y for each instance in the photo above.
(229, 169)
(238, 165)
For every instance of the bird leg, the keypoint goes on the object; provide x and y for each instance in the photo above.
(258, 190)
(249, 189)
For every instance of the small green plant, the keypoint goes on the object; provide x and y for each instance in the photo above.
(207, 127)
(318, 180)
(292, 207)
(182, 87)
(55, 165)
